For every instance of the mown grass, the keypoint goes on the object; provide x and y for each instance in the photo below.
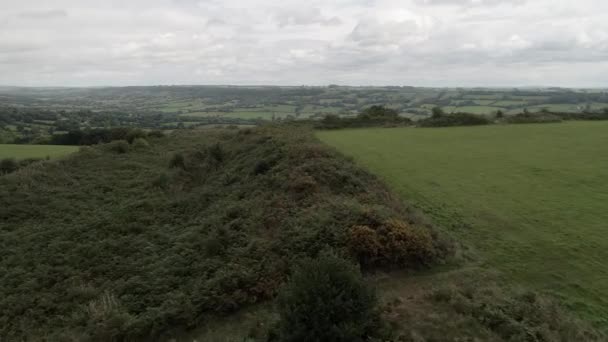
(34, 151)
(531, 199)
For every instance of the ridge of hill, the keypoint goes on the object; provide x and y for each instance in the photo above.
(131, 239)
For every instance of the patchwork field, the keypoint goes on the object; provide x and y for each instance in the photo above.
(34, 151)
(530, 200)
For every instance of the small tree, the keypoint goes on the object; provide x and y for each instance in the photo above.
(437, 112)
(327, 300)
(8, 165)
(177, 161)
(500, 114)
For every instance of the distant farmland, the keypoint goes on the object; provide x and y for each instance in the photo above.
(34, 151)
(532, 200)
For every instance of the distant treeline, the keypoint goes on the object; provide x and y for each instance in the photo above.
(380, 116)
(374, 116)
(39, 125)
(101, 135)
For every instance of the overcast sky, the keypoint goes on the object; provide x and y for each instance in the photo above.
(313, 42)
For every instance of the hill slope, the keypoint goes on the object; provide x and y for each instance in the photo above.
(129, 240)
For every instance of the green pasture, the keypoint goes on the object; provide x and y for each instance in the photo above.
(530, 200)
(34, 151)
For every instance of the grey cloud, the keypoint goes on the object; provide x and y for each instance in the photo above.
(470, 2)
(305, 16)
(43, 14)
(374, 32)
(433, 42)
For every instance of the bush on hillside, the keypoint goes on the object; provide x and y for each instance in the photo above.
(119, 146)
(393, 243)
(140, 143)
(8, 165)
(177, 161)
(327, 299)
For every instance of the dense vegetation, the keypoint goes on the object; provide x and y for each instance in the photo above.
(130, 240)
(530, 199)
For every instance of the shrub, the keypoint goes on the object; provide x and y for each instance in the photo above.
(261, 167)
(162, 181)
(156, 134)
(393, 243)
(216, 152)
(140, 143)
(177, 161)
(213, 246)
(107, 318)
(302, 185)
(378, 112)
(406, 245)
(119, 146)
(8, 165)
(437, 112)
(327, 300)
(135, 134)
(364, 244)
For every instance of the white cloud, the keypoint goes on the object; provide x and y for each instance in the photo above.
(418, 42)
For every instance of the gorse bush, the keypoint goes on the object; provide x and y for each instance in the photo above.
(327, 299)
(393, 243)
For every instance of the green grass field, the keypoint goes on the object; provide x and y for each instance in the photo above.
(531, 200)
(35, 151)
